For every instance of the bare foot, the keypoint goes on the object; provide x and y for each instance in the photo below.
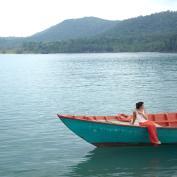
(158, 142)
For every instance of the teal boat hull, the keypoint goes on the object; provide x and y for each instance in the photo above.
(105, 134)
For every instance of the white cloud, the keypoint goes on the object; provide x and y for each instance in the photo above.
(25, 17)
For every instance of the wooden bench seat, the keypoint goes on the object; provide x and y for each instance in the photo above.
(165, 121)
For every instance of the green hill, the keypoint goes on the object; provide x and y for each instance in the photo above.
(154, 24)
(155, 32)
(74, 29)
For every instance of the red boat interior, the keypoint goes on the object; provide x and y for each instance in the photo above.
(163, 119)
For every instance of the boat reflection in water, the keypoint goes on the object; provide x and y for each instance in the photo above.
(126, 161)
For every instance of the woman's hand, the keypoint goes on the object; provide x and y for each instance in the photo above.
(139, 112)
(143, 114)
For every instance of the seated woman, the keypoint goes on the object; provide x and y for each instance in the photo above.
(141, 118)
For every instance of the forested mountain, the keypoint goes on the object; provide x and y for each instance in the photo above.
(155, 24)
(156, 32)
(74, 29)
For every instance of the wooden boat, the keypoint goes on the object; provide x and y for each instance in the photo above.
(117, 130)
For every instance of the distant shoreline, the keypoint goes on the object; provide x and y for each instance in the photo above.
(85, 53)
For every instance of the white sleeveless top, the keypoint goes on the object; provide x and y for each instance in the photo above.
(139, 118)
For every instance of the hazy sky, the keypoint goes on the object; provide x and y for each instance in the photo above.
(25, 17)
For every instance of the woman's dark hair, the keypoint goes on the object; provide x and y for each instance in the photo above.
(139, 104)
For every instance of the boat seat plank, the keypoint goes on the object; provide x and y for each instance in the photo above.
(164, 121)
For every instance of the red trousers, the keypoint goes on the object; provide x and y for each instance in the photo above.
(151, 130)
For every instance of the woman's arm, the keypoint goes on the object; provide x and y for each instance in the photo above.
(134, 118)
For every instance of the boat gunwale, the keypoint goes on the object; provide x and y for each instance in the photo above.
(108, 123)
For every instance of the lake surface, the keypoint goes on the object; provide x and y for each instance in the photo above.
(34, 88)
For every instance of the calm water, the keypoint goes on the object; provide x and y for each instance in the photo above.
(33, 88)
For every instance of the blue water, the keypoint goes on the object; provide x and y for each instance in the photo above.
(33, 88)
